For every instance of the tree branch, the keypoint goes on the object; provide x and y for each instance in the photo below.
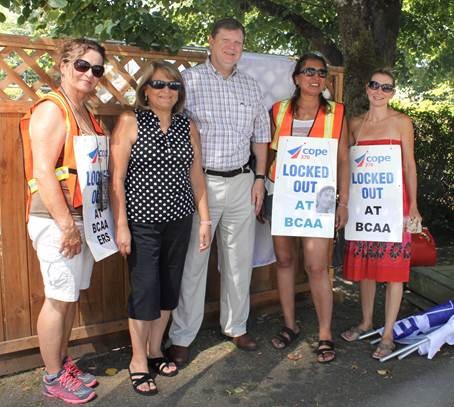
(316, 37)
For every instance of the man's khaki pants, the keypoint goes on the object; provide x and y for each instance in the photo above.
(232, 214)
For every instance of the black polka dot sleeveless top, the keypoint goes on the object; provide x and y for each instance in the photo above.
(157, 185)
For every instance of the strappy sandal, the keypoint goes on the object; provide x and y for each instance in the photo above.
(138, 378)
(383, 349)
(285, 337)
(352, 334)
(325, 347)
(159, 364)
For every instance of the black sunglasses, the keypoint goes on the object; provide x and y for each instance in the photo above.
(80, 65)
(385, 87)
(158, 84)
(322, 73)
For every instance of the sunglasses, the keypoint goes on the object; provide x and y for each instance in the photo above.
(385, 87)
(322, 73)
(158, 84)
(81, 65)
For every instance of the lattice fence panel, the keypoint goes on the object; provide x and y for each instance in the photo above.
(28, 69)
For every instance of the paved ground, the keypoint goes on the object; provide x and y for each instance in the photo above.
(221, 375)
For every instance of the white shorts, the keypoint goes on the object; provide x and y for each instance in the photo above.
(63, 278)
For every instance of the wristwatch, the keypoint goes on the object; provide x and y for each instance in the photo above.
(259, 176)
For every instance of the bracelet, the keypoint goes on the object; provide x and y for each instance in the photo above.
(259, 176)
(206, 222)
(343, 205)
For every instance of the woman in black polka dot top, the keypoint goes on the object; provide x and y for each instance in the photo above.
(157, 182)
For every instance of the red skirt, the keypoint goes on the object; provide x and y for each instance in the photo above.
(379, 261)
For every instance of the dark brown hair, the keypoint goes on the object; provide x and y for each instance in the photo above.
(172, 72)
(227, 23)
(299, 65)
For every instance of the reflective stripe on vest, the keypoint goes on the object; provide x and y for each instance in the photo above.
(61, 173)
(67, 155)
(280, 115)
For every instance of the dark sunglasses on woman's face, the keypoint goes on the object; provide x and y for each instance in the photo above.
(80, 65)
(385, 87)
(157, 84)
(322, 73)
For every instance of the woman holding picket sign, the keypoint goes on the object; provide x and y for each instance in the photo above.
(309, 114)
(58, 133)
(373, 261)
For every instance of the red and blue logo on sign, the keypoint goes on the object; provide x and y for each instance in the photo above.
(360, 160)
(93, 155)
(294, 152)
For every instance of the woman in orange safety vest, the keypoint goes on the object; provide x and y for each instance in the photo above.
(309, 114)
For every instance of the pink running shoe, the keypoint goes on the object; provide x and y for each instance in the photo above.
(67, 388)
(86, 378)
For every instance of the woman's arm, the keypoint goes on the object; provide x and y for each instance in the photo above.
(48, 134)
(409, 164)
(200, 190)
(123, 137)
(343, 177)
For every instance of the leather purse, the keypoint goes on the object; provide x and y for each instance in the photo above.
(423, 249)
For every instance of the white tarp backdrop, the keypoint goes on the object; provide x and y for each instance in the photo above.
(274, 75)
(272, 72)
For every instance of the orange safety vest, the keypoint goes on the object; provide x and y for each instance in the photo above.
(326, 124)
(68, 169)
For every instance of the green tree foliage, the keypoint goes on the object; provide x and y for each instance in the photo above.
(357, 34)
(425, 49)
(434, 152)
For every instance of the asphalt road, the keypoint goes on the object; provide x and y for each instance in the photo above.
(220, 375)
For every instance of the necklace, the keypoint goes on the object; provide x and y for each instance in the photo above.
(84, 123)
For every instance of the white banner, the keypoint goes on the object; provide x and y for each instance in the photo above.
(375, 211)
(92, 158)
(273, 74)
(304, 201)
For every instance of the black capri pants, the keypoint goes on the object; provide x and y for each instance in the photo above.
(156, 262)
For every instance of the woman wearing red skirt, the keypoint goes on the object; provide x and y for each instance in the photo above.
(372, 262)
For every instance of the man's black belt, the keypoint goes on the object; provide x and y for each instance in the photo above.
(228, 174)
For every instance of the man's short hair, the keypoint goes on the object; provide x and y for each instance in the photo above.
(227, 23)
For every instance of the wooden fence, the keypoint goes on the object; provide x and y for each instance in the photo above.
(27, 69)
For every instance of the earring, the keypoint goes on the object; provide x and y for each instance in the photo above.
(326, 93)
(145, 98)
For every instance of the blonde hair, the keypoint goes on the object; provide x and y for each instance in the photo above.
(384, 71)
(172, 72)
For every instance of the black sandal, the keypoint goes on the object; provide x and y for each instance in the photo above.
(286, 336)
(138, 378)
(159, 364)
(328, 349)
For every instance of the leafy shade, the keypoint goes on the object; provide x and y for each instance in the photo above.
(358, 34)
(434, 153)
(134, 22)
(425, 49)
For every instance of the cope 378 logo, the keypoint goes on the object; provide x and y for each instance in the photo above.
(304, 153)
(367, 160)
